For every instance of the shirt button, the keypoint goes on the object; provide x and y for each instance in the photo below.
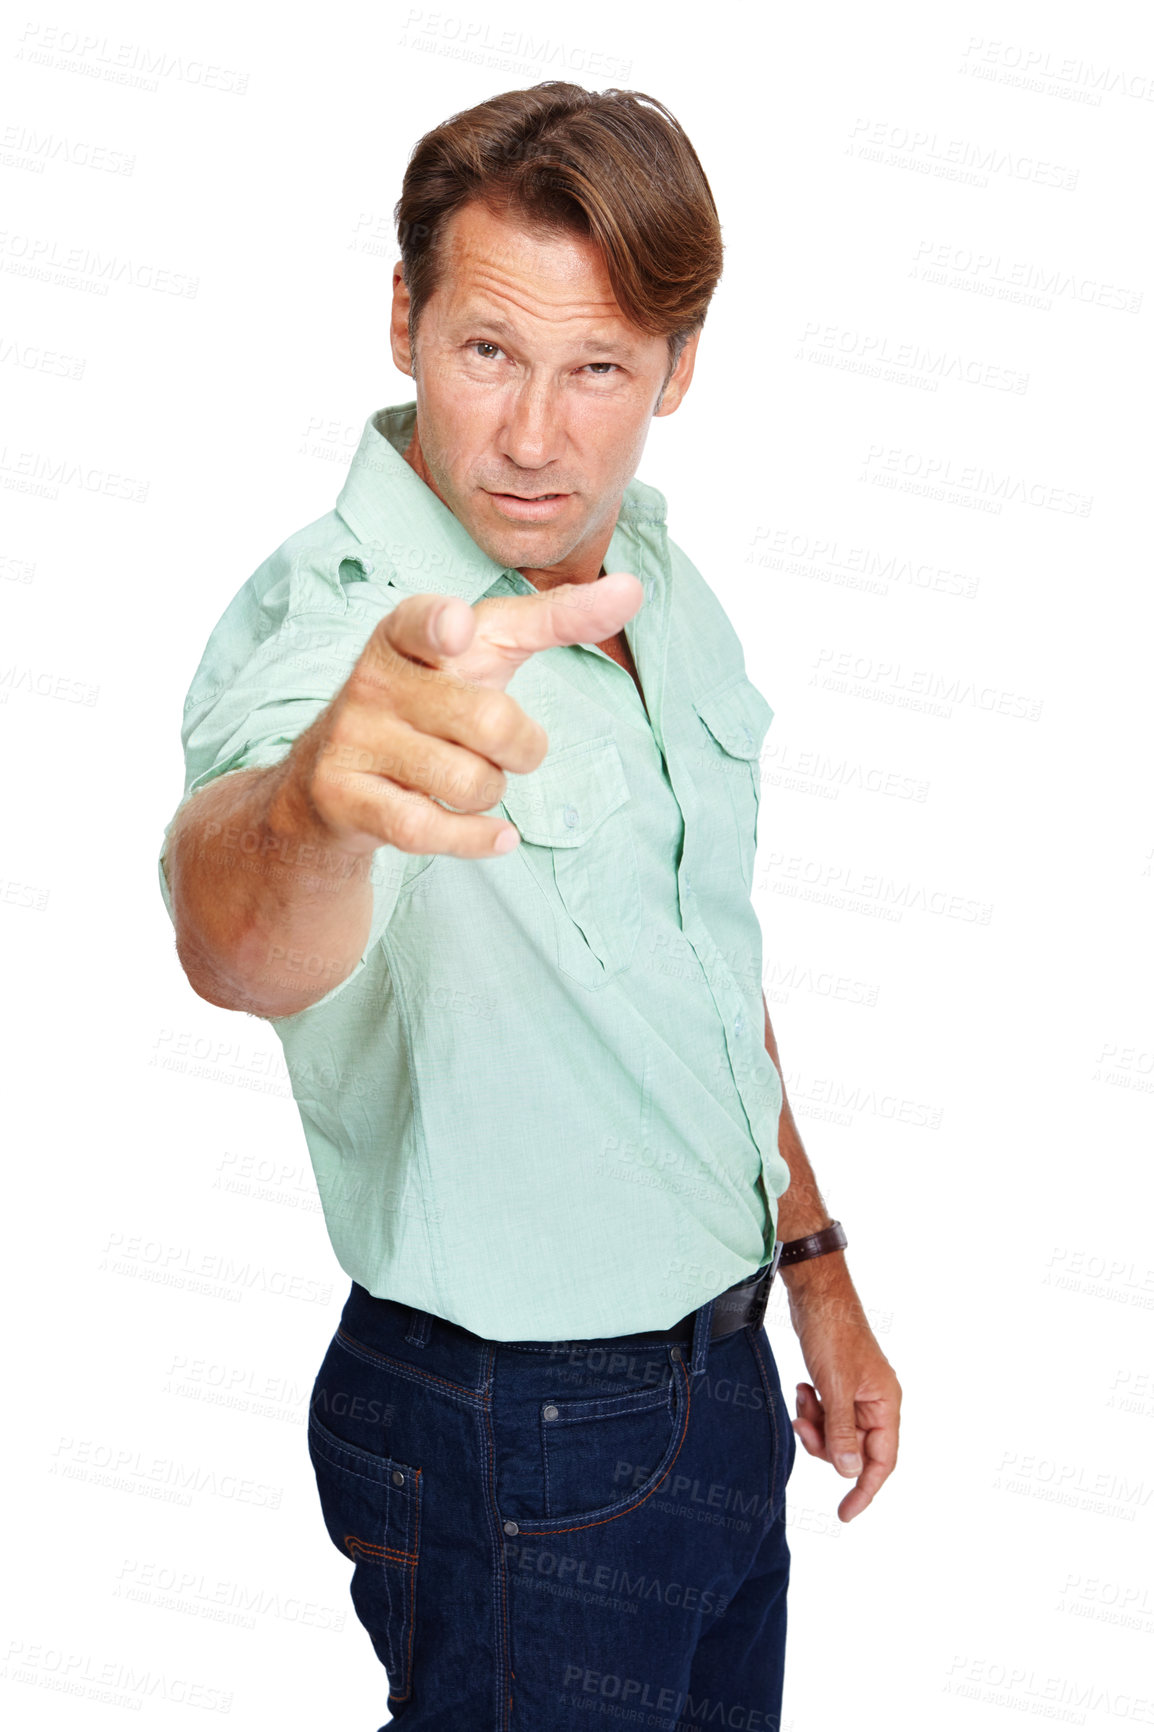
(687, 880)
(748, 739)
(570, 817)
(549, 1413)
(511, 1528)
(398, 1478)
(739, 1026)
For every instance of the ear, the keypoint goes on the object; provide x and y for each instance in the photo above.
(399, 322)
(678, 382)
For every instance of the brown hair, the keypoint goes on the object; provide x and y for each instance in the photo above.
(613, 165)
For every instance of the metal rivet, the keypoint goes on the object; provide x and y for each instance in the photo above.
(549, 1413)
(675, 1355)
(398, 1478)
(511, 1528)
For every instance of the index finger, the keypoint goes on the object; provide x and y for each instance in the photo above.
(569, 613)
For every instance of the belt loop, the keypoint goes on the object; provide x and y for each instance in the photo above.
(699, 1347)
(778, 1247)
(757, 1321)
(418, 1330)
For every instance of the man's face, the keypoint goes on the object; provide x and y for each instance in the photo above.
(534, 393)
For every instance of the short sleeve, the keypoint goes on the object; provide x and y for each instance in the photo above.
(278, 655)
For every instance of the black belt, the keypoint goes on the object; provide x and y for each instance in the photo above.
(738, 1307)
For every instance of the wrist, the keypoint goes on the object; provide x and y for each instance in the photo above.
(818, 1242)
(791, 1228)
(815, 1258)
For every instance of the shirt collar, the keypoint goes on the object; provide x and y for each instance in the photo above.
(385, 501)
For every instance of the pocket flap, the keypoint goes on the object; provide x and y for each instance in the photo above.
(560, 804)
(736, 715)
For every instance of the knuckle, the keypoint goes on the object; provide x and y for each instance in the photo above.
(345, 750)
(323, 795)
(343, 730)
(409, 823)
(495, 720)
(327, 783)
(377, 669)
(490, 785)
(446, 780)
(474, 788)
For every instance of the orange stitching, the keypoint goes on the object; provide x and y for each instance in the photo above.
(579, 1526)
(354, 1545)
(411, 1559)
(500, 1549)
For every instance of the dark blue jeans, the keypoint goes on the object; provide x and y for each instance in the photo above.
(552, 1535)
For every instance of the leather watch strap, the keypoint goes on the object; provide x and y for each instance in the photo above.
(831, 1238)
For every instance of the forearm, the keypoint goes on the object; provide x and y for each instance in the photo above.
(269, 914)
(801, 1208)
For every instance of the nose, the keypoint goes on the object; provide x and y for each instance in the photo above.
(532, 435)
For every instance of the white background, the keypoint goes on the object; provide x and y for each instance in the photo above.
(941, 583)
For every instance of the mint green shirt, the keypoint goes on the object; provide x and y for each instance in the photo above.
(541, 1104)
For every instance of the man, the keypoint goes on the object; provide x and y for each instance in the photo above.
(472, 823)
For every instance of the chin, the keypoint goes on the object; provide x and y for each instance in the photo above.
(538, 549)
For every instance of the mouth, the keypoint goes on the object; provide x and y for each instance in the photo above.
(531, 506)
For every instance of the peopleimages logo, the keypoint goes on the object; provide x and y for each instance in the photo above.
(853, 566)
(866, 892)
(926, 471)
(959, 159)
(475, 39)
(878, 678)
(878, 355)
(585, 1688)
(944, 263)
(128, 63)
(1070, 75)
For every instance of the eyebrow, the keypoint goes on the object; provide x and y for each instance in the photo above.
(502, 328)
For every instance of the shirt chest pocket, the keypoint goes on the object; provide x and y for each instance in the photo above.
(576, 828)
(733, 719)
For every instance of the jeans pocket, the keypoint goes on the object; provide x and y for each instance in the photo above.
(605, 1456)
(372, 1510)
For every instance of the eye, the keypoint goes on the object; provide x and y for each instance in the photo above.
(482, 343)
(612, 364)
